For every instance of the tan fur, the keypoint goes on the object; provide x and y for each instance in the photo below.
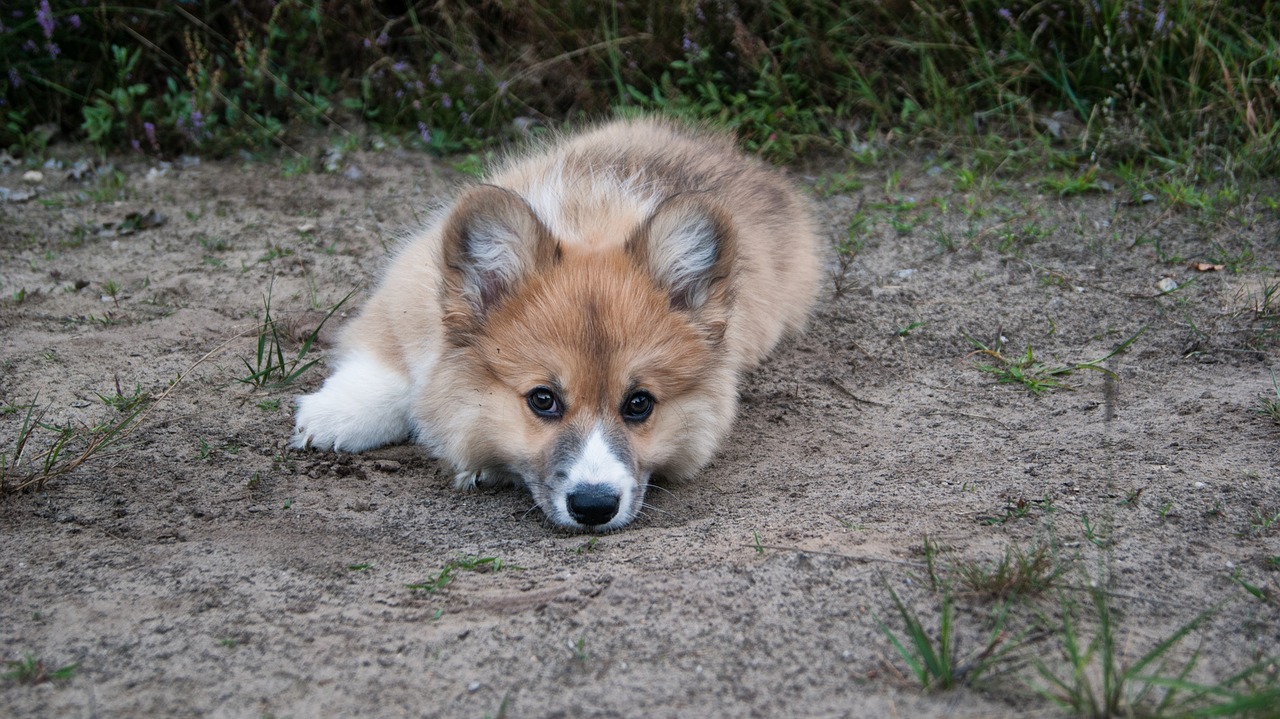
(603, 303)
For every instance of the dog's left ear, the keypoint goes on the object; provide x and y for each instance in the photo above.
(688, 247)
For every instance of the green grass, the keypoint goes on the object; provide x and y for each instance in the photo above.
(40, 451)
(1077, 654)
(933, 658)
(31, 670)
(445, 576)
(1036, 376)
(1183, 89)
(270, 367)
(1019, 573)
(1095, 678)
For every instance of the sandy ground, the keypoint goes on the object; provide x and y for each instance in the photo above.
(203, 569)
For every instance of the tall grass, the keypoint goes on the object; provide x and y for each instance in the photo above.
(1166, 81)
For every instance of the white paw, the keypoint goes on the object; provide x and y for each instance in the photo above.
(362, 405)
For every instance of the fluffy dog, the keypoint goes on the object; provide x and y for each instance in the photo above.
(580, 322)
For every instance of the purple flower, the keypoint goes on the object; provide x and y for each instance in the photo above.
(137, 146)
(446, 101)
(44, 16)
(368, 43)
(382, 39)
(433, 76)
(469, 90)
(1004, 13)
(75, 21)
(54, 50)
(14, 78)
(1160, 18)
(150, 129)
(424, 133)
(400, 67)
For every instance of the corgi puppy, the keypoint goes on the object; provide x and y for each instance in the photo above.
(580, 322)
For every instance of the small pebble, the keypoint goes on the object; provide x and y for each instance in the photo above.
(34, 177)
(1166, 284)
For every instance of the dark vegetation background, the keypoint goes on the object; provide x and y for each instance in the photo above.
(1187, 85)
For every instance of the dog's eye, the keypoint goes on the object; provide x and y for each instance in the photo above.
(544, 403)
(637, 407)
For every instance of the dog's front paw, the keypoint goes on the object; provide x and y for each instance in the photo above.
(360, 407)
(471, 480)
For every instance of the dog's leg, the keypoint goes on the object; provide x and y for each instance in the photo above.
(490, 478)
(364, 404)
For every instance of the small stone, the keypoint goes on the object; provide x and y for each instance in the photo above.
(1166, 285)
(306, 227)
(34, 177)
(474, 687)
(1199, 485)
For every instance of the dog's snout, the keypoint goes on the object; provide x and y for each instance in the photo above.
(593, 504)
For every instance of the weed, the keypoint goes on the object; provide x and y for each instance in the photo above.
(444, 577)
(1019, 508)
(1019, 573)
(65, 447)
(269, 405)
(838, 184)
(270, 368)
(125, 403)
(579, 647)
(1098, 681)
(758, 546)
(936, 664)
(909, 328)
(847, 249)
(1262, 522)
(1261, 593)
(30, 670)
(1269, 406)
(1091, 533)
(112, 290)
(1036, 376)
(587, 546)
(1080, 184)
(1014, 239)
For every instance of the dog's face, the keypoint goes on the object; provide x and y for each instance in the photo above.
(584, 372)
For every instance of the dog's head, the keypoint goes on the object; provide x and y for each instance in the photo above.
(584, 371)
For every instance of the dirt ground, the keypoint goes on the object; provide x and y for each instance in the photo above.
(203, 569)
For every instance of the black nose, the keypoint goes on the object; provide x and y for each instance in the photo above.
(593, 504)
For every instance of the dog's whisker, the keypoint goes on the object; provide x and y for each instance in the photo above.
(659, 510)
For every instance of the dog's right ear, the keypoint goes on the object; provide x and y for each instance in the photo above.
(492, 239)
